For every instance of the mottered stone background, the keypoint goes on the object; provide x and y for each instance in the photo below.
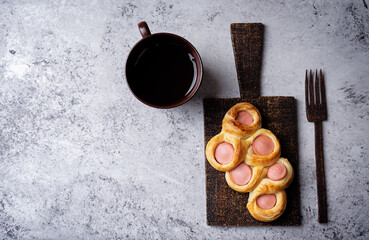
(81, 158)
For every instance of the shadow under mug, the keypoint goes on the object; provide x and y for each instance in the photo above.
(163, 70)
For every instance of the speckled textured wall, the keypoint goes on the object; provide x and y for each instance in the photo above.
(81, 158)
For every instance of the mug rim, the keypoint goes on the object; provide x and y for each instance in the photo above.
(198, 77)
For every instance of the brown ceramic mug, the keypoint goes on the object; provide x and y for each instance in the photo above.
(163, 70)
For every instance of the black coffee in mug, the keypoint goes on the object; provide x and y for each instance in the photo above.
(163, 73)
(163, 70)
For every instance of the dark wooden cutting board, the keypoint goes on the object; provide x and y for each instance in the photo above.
(225, 206)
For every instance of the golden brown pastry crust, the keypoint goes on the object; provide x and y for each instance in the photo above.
(257, 160)
(234, 133)
(232, 126)
(241, 137)
(238, 151)
(268, 186)
(258, 173)
(267, 215)
(271, 185)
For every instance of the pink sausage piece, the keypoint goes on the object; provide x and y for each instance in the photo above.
(224, 153)
(262, 145)
(245, 117)
(241, 175)
(266, 201)
(277, 171)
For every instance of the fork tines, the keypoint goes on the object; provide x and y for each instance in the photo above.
(316, 106)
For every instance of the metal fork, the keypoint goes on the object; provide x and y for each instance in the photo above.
(316, 111)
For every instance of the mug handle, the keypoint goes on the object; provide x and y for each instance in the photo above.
(144, 29)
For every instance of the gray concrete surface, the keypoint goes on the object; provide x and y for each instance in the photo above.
(81, 158)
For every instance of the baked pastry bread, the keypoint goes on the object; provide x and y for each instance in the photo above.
(250, 157)
(243, 180)
(276, 207)
(256, 159)
(278, 177)
(224, 152)
(239, 123)
(242, 120)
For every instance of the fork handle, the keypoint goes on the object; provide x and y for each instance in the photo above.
(319, 158)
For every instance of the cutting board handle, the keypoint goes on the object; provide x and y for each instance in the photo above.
(247, 41)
